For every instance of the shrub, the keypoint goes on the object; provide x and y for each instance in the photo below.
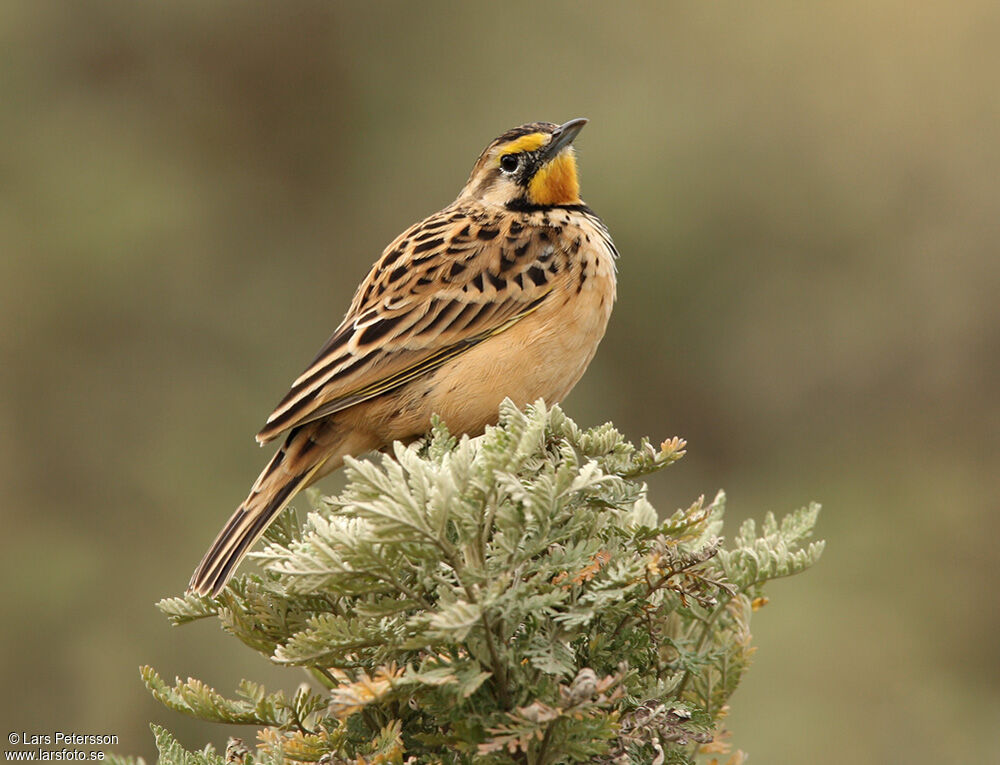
(511, 598)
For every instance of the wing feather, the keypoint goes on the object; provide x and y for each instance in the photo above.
(441, 288)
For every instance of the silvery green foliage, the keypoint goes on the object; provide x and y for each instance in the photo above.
(511, 598)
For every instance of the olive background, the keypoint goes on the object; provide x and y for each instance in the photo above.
(805, 196)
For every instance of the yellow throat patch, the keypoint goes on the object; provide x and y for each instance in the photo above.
(556, 183)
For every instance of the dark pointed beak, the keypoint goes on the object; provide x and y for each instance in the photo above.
(563, 136)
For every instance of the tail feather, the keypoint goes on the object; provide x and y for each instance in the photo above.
(291, 469)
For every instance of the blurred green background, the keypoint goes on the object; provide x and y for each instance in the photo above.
(807, 201)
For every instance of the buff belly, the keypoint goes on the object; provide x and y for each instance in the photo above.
(542, 356)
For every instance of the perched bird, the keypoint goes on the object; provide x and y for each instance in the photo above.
(506, 292)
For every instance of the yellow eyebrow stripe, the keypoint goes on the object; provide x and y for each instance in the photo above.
(528, 142)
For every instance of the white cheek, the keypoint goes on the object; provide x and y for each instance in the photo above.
(500, 192)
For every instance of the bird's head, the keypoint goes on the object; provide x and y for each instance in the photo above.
(528, 167)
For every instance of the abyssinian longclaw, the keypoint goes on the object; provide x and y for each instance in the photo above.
(506, 292)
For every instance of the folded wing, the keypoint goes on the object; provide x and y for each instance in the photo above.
(442, 287)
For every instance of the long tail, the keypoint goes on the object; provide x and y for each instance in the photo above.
(294, 466)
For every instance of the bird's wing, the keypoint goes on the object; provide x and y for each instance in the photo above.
(445, 285)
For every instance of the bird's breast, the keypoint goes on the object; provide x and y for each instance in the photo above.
(541, 356)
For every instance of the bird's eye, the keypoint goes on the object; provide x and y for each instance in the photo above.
(509, 162)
